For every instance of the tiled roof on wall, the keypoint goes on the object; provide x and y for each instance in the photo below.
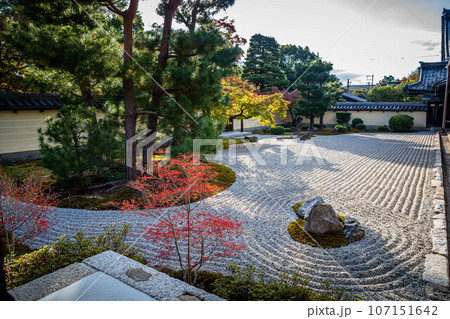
(380, 106)
(23, 101)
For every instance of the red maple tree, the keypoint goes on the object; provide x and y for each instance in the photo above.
(25, 207)
(183, 223)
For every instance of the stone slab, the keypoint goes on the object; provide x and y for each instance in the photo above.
(439, 239)
(436, 270)
(98, 287)
(159, 286)
(437, 293)
(439, 206)
(440, 222)
(435, 183)
(50, 283)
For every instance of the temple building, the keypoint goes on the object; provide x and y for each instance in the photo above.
(433, 78)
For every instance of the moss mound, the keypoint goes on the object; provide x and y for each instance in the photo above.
(332, 239)
(226, 176)
(98, 200)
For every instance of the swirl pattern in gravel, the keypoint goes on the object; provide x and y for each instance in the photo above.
(383, 180)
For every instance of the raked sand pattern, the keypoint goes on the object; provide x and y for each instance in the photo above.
(383, 180)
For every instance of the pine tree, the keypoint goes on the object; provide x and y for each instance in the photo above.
(316, 92)
(262, 65)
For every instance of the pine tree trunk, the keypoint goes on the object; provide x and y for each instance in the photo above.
(88, 97)
(311, 124)
(169, 12)
(321, 123)
(128, 87)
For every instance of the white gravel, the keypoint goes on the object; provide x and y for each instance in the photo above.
(383, 180)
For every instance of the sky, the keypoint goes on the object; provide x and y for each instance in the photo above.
(360, 37)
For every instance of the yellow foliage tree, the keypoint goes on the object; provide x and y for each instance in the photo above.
(247, 103)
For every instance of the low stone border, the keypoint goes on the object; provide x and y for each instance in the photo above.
(143, 278)
(436, 272)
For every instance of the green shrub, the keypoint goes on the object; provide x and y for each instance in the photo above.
(349, 128)
(22, 269)
(277, 130)
(249, 284)
(287, 130)
(357, 121)
(341, 128)
(382, 128)
(343, 118)
(360, 127)
(401, 123)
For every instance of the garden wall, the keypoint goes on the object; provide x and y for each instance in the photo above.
(18, 134)
(372, 119)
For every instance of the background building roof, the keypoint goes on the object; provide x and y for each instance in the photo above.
(429, 74)
(353, 98)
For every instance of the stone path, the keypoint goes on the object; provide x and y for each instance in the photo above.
(383, 180)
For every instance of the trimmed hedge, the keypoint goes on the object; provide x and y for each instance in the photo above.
(401, 123)
(357, 121)
(382, 128)
(277, 130)
(360, 127)
(341, 128)
(343, 118)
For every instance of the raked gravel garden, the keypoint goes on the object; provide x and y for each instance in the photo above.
(382, 180)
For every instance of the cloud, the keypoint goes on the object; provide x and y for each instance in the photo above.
(429, 45)
(344, 74)
(412, 14)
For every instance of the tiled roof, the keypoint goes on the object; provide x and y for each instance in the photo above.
(22, 101)
(430, 73)
(380, 106)
(353, 98)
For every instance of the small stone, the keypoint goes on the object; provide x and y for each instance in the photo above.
(252, 139)
(305, 136)
(352, 231)
(322, 219)
(138, 274)
(305, 209)
(188, 297)
(165, 269)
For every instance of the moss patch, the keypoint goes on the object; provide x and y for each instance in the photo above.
(332, 239)
(226, 177)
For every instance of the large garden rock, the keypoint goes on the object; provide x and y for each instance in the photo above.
(322, 219)
(352, 231)
(305, 209)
